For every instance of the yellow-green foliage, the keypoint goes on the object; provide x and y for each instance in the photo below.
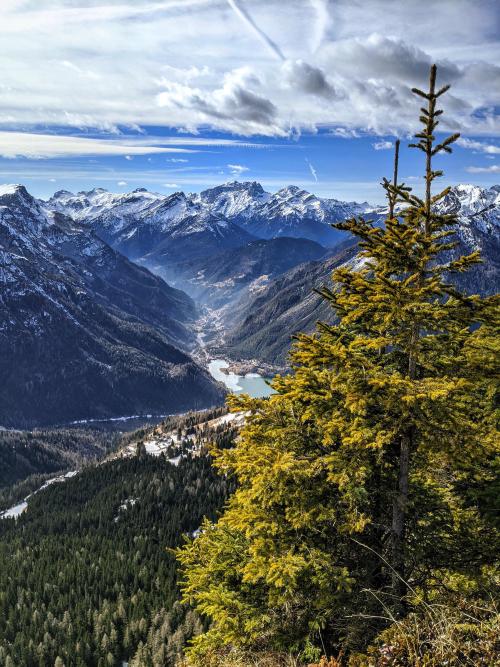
(302, 557)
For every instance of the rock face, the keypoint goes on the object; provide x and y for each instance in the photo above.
(84, 332)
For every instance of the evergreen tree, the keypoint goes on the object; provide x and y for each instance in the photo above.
(350, 478)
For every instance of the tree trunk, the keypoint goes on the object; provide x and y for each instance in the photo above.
(399, 524)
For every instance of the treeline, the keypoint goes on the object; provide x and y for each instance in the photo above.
(87, 578)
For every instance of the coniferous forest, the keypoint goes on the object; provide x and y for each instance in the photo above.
(87, 577)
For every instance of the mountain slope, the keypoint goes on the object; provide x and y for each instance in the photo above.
(101, 543)
(262, 328)
(219, 279)
(85, 333)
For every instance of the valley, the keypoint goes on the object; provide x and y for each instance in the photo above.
(249, 333)
(135, 295)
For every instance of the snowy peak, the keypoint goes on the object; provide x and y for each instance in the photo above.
(7, 189)
(468, 200)
(477, 210)
(251, 188)
(234, 200)
(21, 211)
(89, 205)
(138, 217)
(16, 195)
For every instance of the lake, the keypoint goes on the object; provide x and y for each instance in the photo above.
(252, 383)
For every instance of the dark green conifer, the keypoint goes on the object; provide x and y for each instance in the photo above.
(356, 459)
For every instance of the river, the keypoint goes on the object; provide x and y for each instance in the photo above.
(251, 383)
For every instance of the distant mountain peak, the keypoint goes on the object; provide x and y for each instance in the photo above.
(94, 191)
(63, 193)
(290, 189)
(7, 189)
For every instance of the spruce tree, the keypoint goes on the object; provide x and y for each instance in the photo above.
(350, 478)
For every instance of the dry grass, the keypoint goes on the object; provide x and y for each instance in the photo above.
(467, 636)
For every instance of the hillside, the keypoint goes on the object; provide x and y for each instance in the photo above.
(84, 332)
(99, 541)
(262, 327)
(228, 275)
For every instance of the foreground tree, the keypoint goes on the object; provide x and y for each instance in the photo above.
(351, 499)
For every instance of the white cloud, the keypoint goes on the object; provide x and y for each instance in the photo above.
(345, 132)
(492, 169)
(247, 19)
(170, 185)
(122, 183)
(31, 145)
(177, 160)
(237, 169)
(246, 66)
(382, 145)
(304, 78)
(322, 24)
(479, 146)
(25, 144)
(235, 105)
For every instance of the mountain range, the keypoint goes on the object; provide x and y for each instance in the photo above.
(102, 292)
(84, 332)
(261, 328)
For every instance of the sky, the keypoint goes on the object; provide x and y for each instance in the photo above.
(186, 94)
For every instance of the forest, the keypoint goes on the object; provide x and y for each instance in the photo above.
(87, 575)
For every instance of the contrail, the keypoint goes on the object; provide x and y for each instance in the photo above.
(312, 170)
(248, 20)
(322, 21)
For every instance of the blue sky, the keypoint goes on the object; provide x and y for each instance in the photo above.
(332, 166)
(186, 94)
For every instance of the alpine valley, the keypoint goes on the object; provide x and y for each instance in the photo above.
(112, 304)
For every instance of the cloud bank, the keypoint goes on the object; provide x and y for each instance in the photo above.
(258, 67)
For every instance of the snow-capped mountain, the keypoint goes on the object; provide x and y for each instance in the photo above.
(84, 332)
(133, 222)
(142, 224)
(261, 327)
(87, 332)
(291, 211)
(235, 200)
(177, 236)
(477, 210)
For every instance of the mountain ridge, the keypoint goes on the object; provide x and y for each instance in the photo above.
(84, 332)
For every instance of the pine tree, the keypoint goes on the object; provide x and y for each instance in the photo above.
(349, 476)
